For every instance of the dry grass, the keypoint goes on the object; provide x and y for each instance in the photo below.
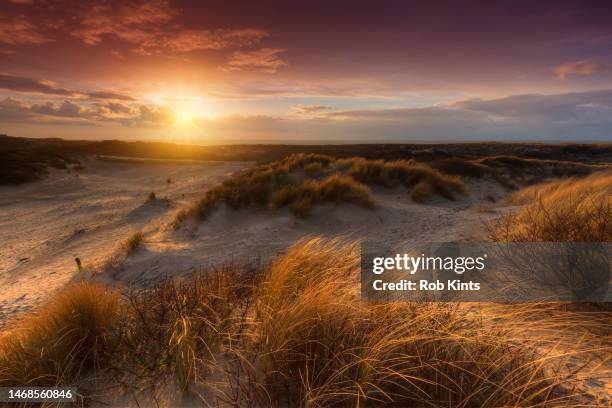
(313, 169)
(336, 188)
(134, 242)
(63, 341)
(296, 334)
(312, 342)
(295, 178)
(401, 172)
(567, 210)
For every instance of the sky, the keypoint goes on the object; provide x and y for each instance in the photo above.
(311, 71)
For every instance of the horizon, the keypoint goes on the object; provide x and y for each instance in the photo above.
(306, 73)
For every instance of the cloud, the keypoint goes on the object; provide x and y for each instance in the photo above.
(31, 85)
(584, 67)
(64, 109)
(83, 113)
(148, 25)
(192, 40)
(309, 109)
(130, 21)
(570, 116)
(263, 60)
(19, 31)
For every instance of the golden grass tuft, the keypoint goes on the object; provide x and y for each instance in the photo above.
(313, 169)
(566, 210)
(296, 334)
(335, 188)
(271, 184)
(63, 340)
(313, 342)
(402, 172)
(134, 242)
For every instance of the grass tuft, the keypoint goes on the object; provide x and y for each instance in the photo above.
(65, 339)
(294, 334)
(335, 188)
(567, 210)
(283, 182)
(133, 242)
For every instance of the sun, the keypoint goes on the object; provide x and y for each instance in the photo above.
(184, 117)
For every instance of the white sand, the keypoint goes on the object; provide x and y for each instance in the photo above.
(46, 224)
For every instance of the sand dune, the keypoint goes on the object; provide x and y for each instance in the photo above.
(46, 224)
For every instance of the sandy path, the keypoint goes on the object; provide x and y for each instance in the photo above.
(45, 225)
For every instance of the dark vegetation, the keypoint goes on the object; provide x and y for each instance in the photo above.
(25, 159)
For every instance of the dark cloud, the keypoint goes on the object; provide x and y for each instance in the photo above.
(24, 84)
(64, 109)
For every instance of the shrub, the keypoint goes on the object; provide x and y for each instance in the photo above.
(65, 339)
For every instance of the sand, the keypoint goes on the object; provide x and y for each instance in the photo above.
(46, 224)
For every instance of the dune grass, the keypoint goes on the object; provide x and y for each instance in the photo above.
(566, 210)
(293, 334)
(335, 188)
(296, 181)
(63, 341)
(133, 242)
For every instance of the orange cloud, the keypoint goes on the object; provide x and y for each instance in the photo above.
(147, 24)
(263, 60)
(19, 31)
(584, 67)
(130, 22)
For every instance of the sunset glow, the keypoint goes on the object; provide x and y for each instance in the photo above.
(317, 71)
